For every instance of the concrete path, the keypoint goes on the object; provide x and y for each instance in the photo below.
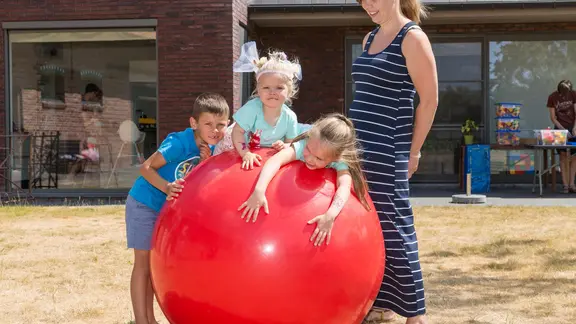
(439, 195)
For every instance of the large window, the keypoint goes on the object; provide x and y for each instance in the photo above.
(460, 95)
(526, 72)
(353, 50)
(87, 98)
(459, 68)
(245, 78)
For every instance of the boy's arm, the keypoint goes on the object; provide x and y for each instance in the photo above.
(170, 150)
(149, 171)
(272, 166)
(344, 184)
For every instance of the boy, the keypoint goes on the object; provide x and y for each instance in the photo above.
(161, 176)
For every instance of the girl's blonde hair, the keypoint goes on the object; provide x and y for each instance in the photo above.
(338, 131)
(277, 62)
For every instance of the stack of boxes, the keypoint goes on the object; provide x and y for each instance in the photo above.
(508, 123)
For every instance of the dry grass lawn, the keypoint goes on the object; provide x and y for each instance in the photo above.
(482, 265)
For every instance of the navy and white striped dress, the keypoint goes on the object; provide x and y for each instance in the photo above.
(382, 112)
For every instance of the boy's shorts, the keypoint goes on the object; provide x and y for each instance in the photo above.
(140, 221)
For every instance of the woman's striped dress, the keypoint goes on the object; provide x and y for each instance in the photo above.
(382, 112)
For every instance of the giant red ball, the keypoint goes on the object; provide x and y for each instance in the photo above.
(210, 266)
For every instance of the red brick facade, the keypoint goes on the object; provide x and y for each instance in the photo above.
(321, 51)
(240, 20)
(196, 43)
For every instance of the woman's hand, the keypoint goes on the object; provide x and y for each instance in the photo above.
(252, 206)
(173, 189)
(323, 229)
(413, 162)
(249, 159)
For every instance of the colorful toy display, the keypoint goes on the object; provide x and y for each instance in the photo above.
(551, 136)
(520, 162)
(508, 109)
(209, 266)
(508, 138)
(508, 124)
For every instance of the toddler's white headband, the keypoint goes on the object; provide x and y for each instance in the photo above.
(247, 62)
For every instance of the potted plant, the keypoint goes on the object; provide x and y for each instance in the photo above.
(467, 130)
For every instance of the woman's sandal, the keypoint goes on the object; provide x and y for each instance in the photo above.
(566, 189)
(379, 315)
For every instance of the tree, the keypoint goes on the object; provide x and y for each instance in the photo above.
(527, 72)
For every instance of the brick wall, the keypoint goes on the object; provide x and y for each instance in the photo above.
(196, 46)
(322, 54)
(239, 19)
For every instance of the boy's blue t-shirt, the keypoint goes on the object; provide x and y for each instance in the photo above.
(181, 154)
(251, 118)
(299, 148)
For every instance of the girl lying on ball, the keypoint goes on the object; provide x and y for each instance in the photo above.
(330, 143)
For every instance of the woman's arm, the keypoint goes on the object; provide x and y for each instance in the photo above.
(422, 69)
(343, 185)
(554, 119)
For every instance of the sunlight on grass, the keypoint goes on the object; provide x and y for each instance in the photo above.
(497, 265)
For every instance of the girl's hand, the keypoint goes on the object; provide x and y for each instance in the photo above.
(278, 145)
(252, 206)
(205, 151)
(249, 159)
(173, 189)
(323, 229)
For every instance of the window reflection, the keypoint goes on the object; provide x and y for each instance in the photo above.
(528, 72)
(440, 153)
(84, 87)
(460, 95)
(458, 61)
(458, 101)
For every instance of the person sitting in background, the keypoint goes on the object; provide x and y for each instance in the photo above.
(562, 107)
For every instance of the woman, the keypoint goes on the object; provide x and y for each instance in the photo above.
(396, 62)
(562, 107)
